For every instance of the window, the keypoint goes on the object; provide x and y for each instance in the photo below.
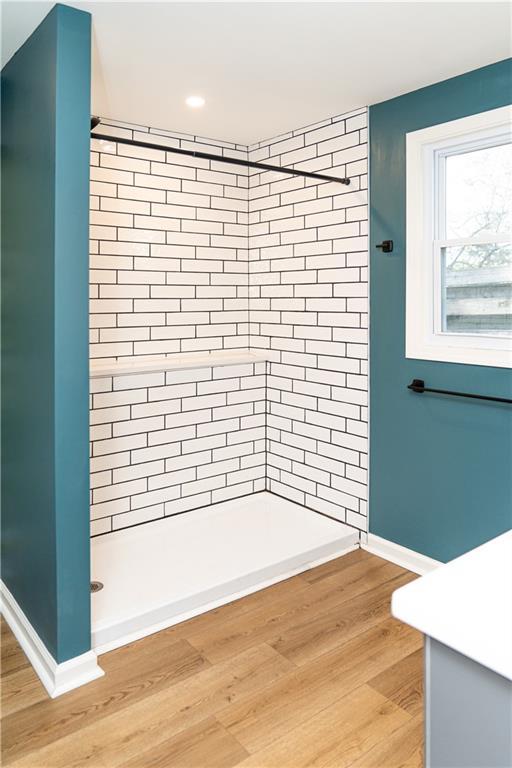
(459, 241)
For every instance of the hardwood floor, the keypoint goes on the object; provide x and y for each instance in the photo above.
(310, 673)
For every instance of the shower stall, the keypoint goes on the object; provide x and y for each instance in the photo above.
(228, 365)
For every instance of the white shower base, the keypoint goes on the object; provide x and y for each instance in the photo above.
(166, 571)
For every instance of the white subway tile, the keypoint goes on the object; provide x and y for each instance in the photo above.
(190, 460)
(141, 193)
(178, 506)
(115, 507)
(100, 526)
(119, 490)
(328, 508)
(138, 426)
(218, 467)
(100, 432)
(281, 489)
(189, 417)
(155, 409)
(155, 182)
(171, 391)
(135, 517)
(169, 479)
(232, 492)
(203, 485)
(203, 443)
(111, 176)
(172, 435)
(100, 463)
(118, 444)
(135, 471)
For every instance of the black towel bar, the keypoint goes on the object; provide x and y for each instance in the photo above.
(418, 385)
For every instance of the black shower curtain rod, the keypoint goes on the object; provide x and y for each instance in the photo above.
(207, 156)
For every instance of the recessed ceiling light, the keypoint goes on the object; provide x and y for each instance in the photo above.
(194, 102)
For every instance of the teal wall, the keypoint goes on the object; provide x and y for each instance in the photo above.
(45, 465)
(440, 468)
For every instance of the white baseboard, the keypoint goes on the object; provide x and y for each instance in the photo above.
(56, 678)
(406, 558)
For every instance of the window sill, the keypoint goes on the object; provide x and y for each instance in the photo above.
(447, 353)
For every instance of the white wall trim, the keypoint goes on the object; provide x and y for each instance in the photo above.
(406, 558)
(56, 678)
(424, 339)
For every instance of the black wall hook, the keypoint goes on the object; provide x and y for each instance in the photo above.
(386, 246)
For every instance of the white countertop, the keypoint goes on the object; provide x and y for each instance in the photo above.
(466, 604)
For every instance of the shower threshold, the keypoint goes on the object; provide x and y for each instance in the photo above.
(164, 572)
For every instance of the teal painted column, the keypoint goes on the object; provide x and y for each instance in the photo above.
(440, 468)
(45, 429)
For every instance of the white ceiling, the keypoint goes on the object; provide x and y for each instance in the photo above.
(267, 68)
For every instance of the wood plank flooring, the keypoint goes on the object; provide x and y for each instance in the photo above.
(309, 673)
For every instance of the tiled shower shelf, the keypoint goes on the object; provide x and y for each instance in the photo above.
(176, 362)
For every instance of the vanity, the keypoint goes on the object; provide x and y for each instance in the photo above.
(464, 609)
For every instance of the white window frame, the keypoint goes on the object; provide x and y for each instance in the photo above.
(427, 150)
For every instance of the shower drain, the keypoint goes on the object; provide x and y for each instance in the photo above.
(96, 586)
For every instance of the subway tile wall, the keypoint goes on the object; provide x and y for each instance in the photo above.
(163, 443)
(189, 256)
(308, 267)
(169, 258)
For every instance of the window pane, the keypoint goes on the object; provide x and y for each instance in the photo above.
(477, 289)
(479, 192)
